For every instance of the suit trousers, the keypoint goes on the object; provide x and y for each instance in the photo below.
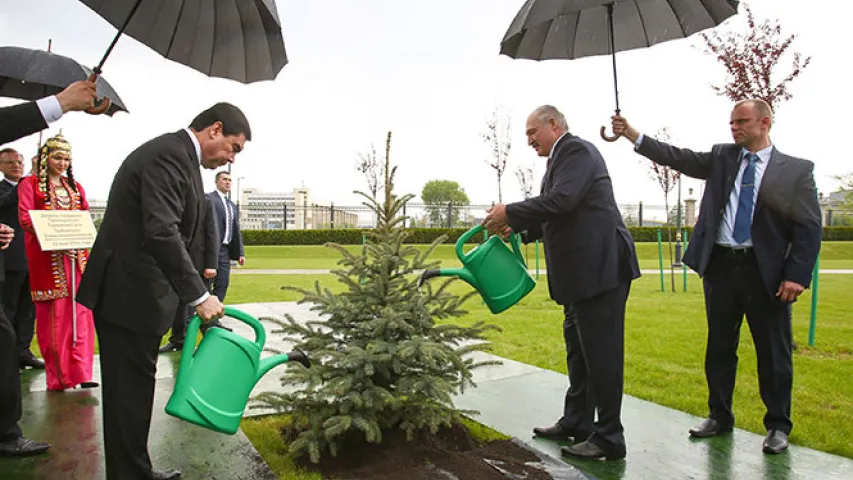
(128, 368)
(734, 288)
(594, 332)
(10, 382)
(19, 309)
(223, 274)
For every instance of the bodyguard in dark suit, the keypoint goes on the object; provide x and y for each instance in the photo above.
(205, 259)
(16, 122)
(141, 268)
(755, 244)
(591, 263)
(228, 222)
(15, 289)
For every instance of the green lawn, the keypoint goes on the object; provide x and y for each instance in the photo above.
(833, 255)
(664, 351)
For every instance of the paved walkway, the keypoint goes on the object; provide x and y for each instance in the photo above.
(320, 271)
(511, 398)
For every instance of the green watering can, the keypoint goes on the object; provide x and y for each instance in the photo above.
(214, 381)
(500, 275)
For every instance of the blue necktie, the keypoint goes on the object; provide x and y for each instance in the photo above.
(743, 218)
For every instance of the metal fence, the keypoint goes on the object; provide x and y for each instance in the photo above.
(419, 215)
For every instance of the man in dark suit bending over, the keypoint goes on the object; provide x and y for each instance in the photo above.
(141, 268)
(591, 263)
(755, 244)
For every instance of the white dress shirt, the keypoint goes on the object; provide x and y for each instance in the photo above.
(50, 108)
(197, 146)
(226, 235)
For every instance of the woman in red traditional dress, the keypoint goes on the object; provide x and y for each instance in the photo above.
(66, 343)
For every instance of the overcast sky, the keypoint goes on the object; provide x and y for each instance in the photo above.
(429, 71)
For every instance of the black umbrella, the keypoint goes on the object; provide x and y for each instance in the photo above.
(32, 74)
(567, 29)
(236, 39)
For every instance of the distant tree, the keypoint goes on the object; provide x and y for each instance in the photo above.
(525, 181)
(443, 197)
(499, 139)
(667, 178)
(371, 167)
(750, 58)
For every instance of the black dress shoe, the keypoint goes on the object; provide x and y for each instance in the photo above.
(165, 474)
(709, 428)
(30, 361)
(170, 347)
(22, 447)
(591, 451)
(90, 385)
(776, 441)
(559, 432)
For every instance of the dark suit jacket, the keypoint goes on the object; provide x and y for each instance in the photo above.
(786, 224)
(15, 258)
(235, 248)
(588, 250)
(140, 267)
(20, 120)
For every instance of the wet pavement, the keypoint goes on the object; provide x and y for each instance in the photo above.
(512, 398)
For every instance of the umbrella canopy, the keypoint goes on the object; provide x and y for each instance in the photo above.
(567, 29)
(32, 74)
(236, 39)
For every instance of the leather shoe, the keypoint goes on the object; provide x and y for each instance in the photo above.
(776, 441)
(30, 361)
(165, 474)
(22, 447)
(709, 428)
(559, 432)
(592, 451)
(170, 347)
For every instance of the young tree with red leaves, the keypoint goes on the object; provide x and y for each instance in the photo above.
(750, 58)
(667, 178)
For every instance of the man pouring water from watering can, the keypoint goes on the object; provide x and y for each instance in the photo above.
(141, 268)
(591, 262)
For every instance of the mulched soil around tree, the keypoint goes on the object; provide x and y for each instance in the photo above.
(448, 455)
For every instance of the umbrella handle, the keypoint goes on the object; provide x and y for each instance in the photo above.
(609, 138)
(101, 104)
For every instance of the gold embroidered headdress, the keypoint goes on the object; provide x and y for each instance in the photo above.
(54, 144)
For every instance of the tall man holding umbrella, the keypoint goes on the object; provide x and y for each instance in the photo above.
(141, 268)
(755, 244)
(17, 122)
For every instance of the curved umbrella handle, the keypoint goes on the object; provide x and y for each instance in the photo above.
(609, 138)
(101, 104)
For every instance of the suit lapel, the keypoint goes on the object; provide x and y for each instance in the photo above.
(772, 176)
(731, 170)
(195, 177)
(547, 179)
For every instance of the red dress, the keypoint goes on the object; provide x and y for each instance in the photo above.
(66, 363)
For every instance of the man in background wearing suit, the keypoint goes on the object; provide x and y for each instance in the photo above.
(228, 222)
(15, 289)
(591, 262)
(205, 260)
(141, 268)
(16, 122)
(755, 244)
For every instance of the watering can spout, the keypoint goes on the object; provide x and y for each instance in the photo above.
(269, 363)
(462, 273)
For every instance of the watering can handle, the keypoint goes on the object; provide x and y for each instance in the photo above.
(260, 333)
(460, 244)
(516, 247)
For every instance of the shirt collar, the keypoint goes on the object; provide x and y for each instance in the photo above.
(10, 181)
(554, 146)
(221, 195)
(195, 144)
(763, 154)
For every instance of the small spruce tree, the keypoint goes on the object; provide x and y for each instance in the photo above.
(379, 360)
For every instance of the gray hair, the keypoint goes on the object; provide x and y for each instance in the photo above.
(546, 113)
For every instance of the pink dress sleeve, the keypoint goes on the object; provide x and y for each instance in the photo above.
(26, 202)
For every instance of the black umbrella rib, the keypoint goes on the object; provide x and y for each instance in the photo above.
(677, 18)
(175, 31)
(575, 43)
(643, 23)
(97, 69)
